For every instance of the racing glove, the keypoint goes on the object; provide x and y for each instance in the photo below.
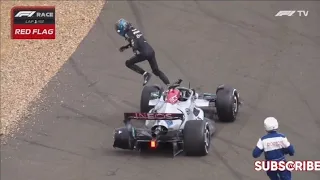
(122, 48)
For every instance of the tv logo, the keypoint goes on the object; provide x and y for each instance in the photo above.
(302, 13)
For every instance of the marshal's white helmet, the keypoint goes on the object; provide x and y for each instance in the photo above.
(270, 124)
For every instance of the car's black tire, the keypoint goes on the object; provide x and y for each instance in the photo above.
(122, 139)
(196, 138)
(146, 96)
(227, 104)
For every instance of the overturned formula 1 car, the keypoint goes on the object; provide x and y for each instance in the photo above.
(176, 116)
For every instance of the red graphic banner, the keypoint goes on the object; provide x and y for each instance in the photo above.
(33, 22)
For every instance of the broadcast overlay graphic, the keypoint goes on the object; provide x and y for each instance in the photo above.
(33, 22)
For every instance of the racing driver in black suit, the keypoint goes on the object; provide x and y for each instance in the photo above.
(142, 49)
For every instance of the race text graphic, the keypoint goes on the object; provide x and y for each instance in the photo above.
(33, 22)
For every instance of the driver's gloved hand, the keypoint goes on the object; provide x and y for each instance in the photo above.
(122, 48)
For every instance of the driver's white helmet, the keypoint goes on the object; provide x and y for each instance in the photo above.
(271, 124)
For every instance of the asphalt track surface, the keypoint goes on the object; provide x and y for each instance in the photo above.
(272, 61)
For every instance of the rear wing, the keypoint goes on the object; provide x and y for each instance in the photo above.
(153, 116)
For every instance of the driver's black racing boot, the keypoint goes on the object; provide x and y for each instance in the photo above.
(146, 78)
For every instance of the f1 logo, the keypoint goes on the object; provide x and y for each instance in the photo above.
(25, 13)
(285, 13)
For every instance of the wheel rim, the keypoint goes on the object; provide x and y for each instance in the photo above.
(235, 106)
(206, 140)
